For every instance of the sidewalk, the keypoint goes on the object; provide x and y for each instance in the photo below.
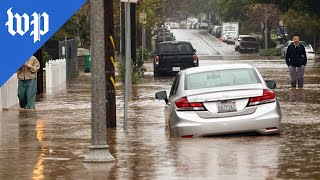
(50, 142)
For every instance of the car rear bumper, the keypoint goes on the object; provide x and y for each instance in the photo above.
(265, 120)
(173, 68)
(244, 48)
(310, 55)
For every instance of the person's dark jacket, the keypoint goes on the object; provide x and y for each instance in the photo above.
(296, 55)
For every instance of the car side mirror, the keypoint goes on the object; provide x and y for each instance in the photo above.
(271, 84)
(162, 95)
(194, 50)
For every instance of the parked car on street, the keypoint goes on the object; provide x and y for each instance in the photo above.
(183, 25)
(237, 43)
(247, 43)
(218, 32)
(214, 30)
(174, 26)
(221, 99)
(196, 25)
(233, 36)
(204, 24)
(309, 50)
(230, 36)
(171, 57)
(168, 37)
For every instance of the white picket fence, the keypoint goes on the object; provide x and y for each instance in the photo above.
(55, 74)
(9, 93)
(55, 80)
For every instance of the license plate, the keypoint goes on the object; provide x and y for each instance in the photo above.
(175, 68)
(229, 106)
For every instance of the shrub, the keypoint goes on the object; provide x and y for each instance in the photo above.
(46, 57)
(318, 51)
(138, 68)
(270, 52)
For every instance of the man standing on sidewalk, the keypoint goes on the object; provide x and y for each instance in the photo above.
(27, 84)
(296, 60)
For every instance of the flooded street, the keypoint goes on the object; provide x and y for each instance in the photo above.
(51, 142)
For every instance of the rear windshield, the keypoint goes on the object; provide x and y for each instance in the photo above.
(219, 78)
(175, 48)
(168, 38)
(249, 39)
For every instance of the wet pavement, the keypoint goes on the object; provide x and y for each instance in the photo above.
(51, 142)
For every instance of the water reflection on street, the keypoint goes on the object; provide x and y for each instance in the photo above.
(50, 143)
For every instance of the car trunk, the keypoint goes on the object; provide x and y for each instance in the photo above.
(176, 60)
(225, 101)
(249, 44)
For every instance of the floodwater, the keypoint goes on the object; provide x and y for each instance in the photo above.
(51, 142)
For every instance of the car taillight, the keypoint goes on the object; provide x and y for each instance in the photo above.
(195, 59)
(183, 104)
(157, 60)
(267, 97)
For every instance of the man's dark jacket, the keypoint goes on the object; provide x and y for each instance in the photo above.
(296, 55)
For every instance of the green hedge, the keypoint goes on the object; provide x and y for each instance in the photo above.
(318, 51)
(270, 52)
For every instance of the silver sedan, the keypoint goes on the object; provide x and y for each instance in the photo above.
(221, 99)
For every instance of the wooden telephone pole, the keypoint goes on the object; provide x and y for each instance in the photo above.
(110, 64)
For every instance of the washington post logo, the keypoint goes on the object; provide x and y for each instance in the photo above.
(39, 24)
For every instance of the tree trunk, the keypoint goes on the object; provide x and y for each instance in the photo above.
(139, 35)
(270, 43)
(148, 39)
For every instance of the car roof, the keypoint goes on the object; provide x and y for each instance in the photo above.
(290, 41)
(245, 36)
(217, 67)
(174, 42)
(302, 42)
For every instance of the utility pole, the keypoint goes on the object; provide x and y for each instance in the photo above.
(143, 35)
(123, 31)
(110, 64)
(133, 25)
(142, 20)
(99, 150)
(164, 22)
(128, 73)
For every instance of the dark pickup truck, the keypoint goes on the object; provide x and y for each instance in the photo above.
(248, 43)
(173, 56)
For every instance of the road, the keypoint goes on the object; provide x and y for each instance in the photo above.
(62, 123)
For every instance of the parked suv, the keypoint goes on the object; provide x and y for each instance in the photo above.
(171, 57)
(248, 44)
(237, 43)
